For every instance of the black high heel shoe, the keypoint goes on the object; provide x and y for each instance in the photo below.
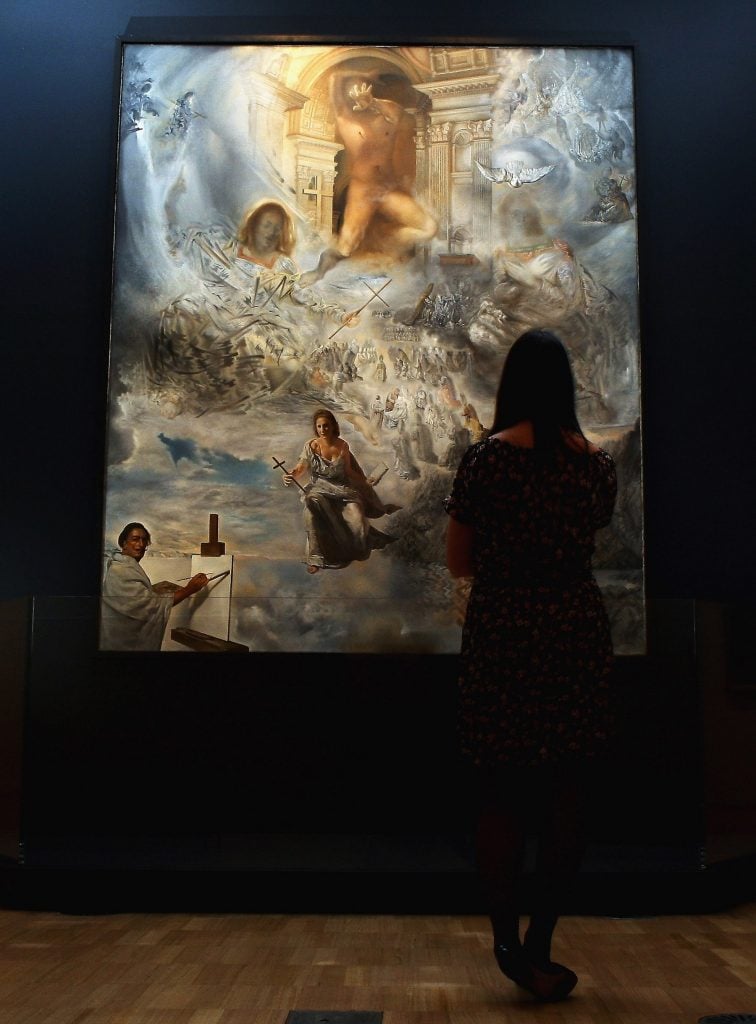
(556, 982)
(549, 985)
(514, 965)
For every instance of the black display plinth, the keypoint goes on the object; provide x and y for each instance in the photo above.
(314, 783)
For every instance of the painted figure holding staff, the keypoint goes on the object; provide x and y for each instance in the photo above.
(338, 501)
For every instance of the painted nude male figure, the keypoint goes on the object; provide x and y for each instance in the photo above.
(378, 136)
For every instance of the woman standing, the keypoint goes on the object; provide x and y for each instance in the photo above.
(536, 649)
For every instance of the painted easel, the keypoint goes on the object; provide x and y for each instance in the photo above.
(209, 627)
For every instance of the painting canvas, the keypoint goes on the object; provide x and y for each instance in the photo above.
(358, 232)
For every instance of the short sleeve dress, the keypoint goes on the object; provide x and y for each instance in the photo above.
(536, 650)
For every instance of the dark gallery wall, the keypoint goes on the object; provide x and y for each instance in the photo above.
(156, 748)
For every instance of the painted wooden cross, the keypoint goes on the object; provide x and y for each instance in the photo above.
(282, 466)
(375, 295)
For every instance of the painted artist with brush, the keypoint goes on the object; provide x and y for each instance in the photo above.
(134, 615)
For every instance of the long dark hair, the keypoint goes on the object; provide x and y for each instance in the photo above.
(537, 385)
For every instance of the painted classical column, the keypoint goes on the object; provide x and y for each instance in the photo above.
(421, 157)
(481, 186)
(326, 209)
(461, 98)
(439, 165)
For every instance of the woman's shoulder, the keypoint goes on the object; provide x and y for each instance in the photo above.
(314, 445)
(511, 443)
(598, 460)
(519, 435)
(478, 455)
(604, 461)
(583, 446)
(580, 444)
(602, 454)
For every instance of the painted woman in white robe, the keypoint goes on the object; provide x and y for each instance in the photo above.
(338, 502)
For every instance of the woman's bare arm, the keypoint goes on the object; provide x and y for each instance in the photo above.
(460, 540)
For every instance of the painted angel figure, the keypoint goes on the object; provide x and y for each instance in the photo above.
(137, 104)
(183, 115)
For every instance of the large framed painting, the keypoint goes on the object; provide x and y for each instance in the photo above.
(345, 240)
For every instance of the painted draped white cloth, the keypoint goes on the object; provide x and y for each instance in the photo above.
(133, 616)
(337, 507)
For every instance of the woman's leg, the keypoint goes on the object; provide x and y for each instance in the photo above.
(513, 800)
(500, 845)
(559, 824)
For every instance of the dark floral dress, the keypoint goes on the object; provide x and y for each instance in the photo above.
(536, 647)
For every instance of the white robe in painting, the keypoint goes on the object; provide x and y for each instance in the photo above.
(133, 616)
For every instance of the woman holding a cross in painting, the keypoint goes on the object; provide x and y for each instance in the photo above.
(339, 500)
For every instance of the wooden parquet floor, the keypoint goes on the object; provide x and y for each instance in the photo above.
(254, 969)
